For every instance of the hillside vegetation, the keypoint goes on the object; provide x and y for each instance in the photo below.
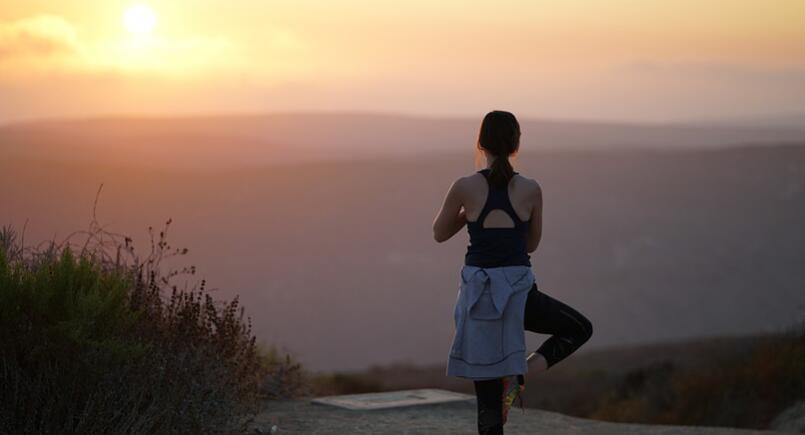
(98, 341)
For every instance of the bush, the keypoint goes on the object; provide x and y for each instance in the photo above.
(746, 391)
(98, 341)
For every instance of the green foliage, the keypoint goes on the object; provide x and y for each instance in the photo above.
(100, 343)
(65, 309)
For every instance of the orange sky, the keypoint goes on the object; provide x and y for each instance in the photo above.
(646, 60)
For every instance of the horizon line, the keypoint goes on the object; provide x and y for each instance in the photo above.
(757, 121)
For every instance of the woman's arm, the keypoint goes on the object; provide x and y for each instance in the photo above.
(535, 228)
(451, 217)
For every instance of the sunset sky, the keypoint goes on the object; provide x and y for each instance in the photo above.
(642, 60)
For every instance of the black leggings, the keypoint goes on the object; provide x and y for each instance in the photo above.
(569, 329)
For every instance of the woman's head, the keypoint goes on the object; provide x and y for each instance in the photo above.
(499, 137)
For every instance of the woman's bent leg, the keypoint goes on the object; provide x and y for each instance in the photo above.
(569, 329)
(490, 406)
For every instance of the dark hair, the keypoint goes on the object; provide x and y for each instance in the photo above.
(500, 136)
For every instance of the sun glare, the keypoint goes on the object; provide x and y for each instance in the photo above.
(140, 19)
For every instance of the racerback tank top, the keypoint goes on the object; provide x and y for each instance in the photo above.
(496, 247)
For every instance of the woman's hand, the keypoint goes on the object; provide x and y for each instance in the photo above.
(462, 215)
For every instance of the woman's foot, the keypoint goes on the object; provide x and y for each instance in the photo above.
(513, 388)
(536, 362)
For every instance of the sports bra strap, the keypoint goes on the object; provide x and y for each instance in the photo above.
(497, 198)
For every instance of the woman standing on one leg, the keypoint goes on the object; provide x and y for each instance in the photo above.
(498, 298)
(544, 315)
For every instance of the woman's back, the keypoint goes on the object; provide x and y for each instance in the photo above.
(498, 220)
(520, 191)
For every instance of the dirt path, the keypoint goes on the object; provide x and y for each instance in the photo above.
(303, 417)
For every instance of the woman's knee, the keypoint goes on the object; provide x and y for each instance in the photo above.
(586, 330)
(583, 328)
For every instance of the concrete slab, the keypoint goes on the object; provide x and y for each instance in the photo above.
(393, 399)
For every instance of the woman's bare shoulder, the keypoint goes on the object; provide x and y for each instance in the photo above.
(529, 184)
(469, 181)
(462, 187)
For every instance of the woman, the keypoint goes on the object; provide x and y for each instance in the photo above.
(498, 297)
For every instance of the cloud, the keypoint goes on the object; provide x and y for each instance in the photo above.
(39, 36)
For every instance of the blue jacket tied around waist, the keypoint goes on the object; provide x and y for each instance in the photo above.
(489, 339)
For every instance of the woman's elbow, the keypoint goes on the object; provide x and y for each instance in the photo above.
(437, 235)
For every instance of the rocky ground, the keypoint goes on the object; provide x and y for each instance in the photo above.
(303, 417)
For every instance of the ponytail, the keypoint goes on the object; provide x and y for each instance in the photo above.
(501, 172)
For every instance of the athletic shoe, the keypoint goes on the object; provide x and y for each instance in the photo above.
(513, 387)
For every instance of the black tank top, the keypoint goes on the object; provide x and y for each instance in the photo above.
(496, 247)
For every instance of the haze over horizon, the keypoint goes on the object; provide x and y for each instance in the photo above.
(767, 120)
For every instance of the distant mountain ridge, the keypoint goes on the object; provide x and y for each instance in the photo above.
(258, 140)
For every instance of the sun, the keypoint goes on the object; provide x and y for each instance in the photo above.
(140, 19)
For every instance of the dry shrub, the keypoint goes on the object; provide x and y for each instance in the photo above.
(747, 391)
